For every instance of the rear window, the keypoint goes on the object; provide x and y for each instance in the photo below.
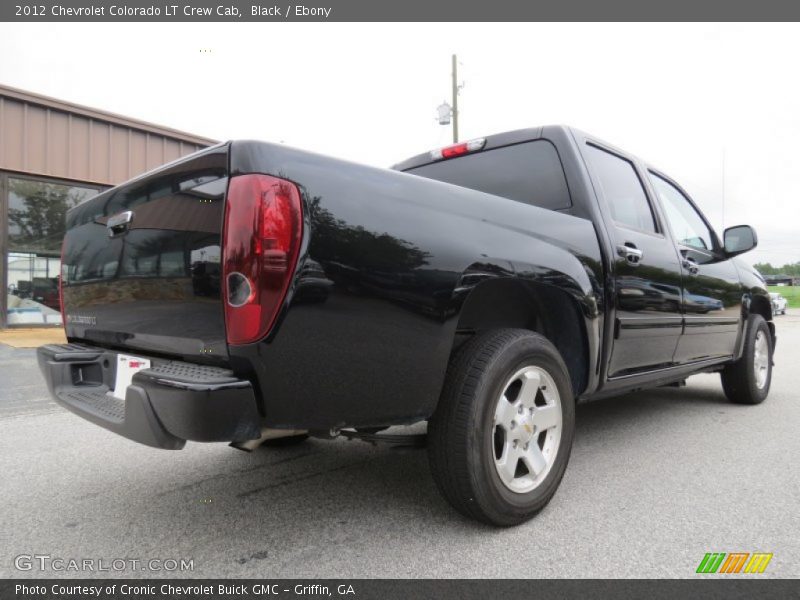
(530, 172)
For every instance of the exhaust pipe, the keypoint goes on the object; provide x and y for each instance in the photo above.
(267, 434)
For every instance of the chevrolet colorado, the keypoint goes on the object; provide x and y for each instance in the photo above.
(252, 291)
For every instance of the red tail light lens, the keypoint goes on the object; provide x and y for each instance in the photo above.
(458, 149)
(261, 241)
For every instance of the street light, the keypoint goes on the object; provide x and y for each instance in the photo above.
(445, 112)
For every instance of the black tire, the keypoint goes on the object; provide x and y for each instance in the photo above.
(461, 434)
(739, 380)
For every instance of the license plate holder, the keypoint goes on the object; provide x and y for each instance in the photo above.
(127, 366)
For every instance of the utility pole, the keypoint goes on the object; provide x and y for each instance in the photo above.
(446, 112)
(455, 99)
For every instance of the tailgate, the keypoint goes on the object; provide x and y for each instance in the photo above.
(141, 262)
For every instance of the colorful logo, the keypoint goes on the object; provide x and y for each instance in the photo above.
(734, 562)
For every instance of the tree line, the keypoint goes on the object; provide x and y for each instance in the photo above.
(792, 269)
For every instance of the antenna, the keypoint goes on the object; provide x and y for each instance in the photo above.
(723, 188)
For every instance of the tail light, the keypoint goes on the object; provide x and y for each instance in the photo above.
(458, 149)
(261, 241)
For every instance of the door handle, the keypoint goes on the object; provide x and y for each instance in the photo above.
(630, 253)
(119, 223)
(690, 265)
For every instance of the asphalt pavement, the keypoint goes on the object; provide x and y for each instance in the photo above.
(656, 480)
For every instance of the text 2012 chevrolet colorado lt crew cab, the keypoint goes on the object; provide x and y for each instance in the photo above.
(251, 290)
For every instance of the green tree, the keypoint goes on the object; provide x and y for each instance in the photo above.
(791, 269)
(765, 269)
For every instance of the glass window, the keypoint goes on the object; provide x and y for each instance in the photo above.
(36, 224)
(529, 173)
(622, 190)
(37, 213)
(33, 289)
(687, 225)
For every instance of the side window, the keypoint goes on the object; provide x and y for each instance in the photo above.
(622, 190)
(687, 225)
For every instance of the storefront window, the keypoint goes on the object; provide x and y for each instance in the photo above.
(36, 217)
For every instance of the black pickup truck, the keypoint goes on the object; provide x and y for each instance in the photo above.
(252, 291)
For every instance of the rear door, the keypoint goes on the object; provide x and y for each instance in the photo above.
(646, 271)
(712, 295)
(141, 262)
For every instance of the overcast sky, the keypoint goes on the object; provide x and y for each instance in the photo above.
(686, 98)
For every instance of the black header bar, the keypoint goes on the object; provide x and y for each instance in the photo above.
(705, 587)
(405, 10)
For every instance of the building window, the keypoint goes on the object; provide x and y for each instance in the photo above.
(36, 221)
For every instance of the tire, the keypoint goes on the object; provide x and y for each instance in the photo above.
(740, 380)
(475, 463)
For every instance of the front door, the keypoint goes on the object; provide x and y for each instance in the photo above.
(712, 295)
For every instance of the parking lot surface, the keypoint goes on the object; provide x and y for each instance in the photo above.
(656, 480)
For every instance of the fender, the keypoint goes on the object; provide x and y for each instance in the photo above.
(755, 299)
(575, 277)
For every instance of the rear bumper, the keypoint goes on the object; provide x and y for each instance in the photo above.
(164, 406)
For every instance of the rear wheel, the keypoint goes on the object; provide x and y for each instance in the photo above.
(747, 380)
(501, 436)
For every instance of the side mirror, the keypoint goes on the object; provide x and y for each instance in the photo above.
(739, 239)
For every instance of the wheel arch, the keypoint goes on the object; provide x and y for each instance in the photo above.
(547, 309)
(760, 304)
(755, 304)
